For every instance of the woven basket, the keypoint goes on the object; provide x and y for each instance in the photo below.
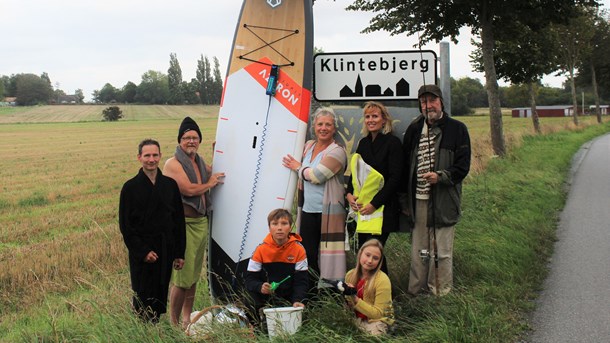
(191, 331)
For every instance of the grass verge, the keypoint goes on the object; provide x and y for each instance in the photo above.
(502, 244)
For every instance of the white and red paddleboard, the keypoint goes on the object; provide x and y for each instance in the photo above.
(256, 129)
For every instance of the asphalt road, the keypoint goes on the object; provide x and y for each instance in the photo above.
(575, 303)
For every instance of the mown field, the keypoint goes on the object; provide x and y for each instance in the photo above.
(93, 113)
(62, 258)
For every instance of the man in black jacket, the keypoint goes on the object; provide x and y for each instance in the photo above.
(437, 159)
(151, 220)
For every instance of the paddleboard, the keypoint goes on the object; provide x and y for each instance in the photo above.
(258, 124)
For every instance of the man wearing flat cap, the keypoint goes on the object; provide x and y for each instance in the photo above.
(194, 178)
(437, 158)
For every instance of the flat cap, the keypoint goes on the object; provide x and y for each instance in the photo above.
(432, 89)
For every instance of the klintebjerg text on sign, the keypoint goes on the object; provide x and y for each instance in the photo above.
(381, 64)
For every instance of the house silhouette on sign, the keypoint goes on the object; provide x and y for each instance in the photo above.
(374, 90)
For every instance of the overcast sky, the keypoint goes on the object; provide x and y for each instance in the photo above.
(86, 43)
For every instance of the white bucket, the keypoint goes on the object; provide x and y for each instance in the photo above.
(283, 320)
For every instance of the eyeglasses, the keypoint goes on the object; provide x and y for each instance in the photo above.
(190, 139)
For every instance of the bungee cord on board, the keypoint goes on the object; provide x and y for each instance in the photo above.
(261, 147)
(270, 91)
(268, 44)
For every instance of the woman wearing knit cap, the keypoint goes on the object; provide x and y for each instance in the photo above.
(195, 179)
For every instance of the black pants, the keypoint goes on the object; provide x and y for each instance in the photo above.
(311, 233)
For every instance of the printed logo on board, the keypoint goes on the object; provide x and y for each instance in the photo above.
(288, 92)
(274, 3)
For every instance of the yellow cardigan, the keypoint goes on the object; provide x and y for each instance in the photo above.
(376, 303)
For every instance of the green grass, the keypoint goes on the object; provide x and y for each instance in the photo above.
(63, 265)
(4, 204)
(33, 200)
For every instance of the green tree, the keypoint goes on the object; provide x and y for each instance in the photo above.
(112, 113)
(190, 91)
(204, 78)
(516, 95)
(466, 94)
(474, 90)
(10, 85)
(46, 77)
(517, 67)
(32, 89)
(153, 89)
(95, 96)
(575, 43)
(129, 92)
(174, 81)
(57, 94)
(216, 89)
(79, 94)
(422, 17)
(595, 70)
(108, 94)
(459, 101)
(2, 88)
(553, 96)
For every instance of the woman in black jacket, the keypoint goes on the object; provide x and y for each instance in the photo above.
(383, 152)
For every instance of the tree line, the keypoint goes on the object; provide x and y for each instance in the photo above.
(155, 87)
(469, 93)
(519, 41)
(31, 89)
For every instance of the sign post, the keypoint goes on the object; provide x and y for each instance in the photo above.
(362, 76)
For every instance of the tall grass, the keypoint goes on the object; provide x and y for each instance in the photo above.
(63, 265)
(502, 243)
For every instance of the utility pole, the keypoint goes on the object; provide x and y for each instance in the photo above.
(445, 79)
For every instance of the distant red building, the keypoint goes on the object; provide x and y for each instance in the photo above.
(544, 111)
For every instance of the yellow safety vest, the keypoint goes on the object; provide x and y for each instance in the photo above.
(366, 182)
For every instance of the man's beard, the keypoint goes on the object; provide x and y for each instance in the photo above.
(433, 115)
(191, 151)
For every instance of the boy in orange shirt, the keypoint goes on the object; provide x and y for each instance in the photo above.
(280, 258)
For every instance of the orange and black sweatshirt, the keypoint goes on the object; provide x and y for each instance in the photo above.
(273, 263)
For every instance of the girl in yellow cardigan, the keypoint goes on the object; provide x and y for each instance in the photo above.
(372, 302)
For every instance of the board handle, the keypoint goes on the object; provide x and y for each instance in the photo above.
(272, 80)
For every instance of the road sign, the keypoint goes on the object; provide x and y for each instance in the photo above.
(388, 75)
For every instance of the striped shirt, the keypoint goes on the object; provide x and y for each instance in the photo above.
(425, 162)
